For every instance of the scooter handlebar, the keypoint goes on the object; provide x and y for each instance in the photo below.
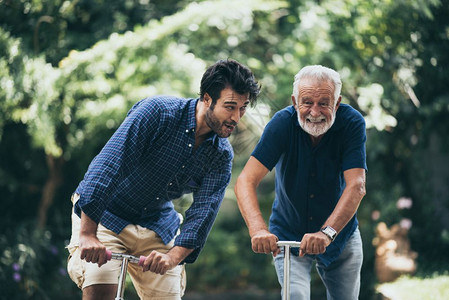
(292, 244)
(119, 256)
(108, 255)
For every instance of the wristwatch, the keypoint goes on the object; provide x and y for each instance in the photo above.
(330, 232)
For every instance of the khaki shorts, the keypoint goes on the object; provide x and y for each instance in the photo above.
(134, 240)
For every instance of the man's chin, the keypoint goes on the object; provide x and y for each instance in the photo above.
(223, 134)
(315, 132)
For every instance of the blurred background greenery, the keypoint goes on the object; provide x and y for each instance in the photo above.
(70, 70)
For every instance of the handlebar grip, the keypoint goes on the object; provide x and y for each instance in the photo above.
(108, 255)
(142, 260)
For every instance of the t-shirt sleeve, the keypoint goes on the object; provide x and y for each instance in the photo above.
(274, 140)
(354, 154)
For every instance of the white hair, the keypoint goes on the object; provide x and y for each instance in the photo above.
(318, 72)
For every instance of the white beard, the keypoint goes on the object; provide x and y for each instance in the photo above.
(314, 126)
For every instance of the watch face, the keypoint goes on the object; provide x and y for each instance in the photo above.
(330, 232)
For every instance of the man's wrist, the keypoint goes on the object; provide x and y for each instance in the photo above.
(179, 253)
(330, 232)
(255, 232)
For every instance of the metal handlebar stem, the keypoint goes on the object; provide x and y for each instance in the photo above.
(125, 258)
(287, 245)
(122, 279)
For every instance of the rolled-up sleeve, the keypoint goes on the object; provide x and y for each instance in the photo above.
(203, 211)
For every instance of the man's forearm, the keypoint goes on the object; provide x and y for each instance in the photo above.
(88, 226)
(262, 241)
(249, 206)
(347, 205)
(91, 249)
(246, 192)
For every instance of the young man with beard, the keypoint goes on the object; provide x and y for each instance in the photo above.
(166, 147)
(317, 146)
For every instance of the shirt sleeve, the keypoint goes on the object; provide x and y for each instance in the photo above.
(117, 158)
(273, 140)
(354, 154)
(203, 211)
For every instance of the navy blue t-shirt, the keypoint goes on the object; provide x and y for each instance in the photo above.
(309, 180)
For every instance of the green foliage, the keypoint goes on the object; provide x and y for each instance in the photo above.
(229, 261)
(56, 27)
(10, 68)
(28, 94)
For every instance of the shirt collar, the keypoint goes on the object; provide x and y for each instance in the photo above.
(191, 120)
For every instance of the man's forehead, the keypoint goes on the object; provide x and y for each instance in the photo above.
(316, 86)
(231, 96)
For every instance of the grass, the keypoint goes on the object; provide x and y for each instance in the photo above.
(411, 288)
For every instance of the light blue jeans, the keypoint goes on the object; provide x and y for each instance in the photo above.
(341, 278)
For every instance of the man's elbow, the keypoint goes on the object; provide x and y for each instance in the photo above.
(238, 185)
(360, 189)
(243, 186)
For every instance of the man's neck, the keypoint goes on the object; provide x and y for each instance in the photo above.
(315, 139)
(202, 130)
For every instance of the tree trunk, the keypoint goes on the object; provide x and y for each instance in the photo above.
(54, 180)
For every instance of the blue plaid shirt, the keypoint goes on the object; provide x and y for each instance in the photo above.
(149, 161)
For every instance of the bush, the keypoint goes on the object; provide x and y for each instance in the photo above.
(33, 265)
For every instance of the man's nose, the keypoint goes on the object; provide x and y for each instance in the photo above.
(236, 115)
(315, 111)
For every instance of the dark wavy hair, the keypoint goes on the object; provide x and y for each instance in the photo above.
(232, 74)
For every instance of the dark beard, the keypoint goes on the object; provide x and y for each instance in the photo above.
(216, 125)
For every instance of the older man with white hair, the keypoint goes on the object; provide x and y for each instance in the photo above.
(317, 146)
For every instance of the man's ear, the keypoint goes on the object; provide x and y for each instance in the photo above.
(293, 101)
(338, 103)
(207, 100)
